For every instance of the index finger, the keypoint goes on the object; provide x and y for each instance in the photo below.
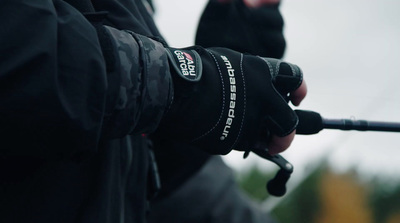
(299, 94)
(279, 144)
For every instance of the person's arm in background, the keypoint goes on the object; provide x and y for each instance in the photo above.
(248, 26)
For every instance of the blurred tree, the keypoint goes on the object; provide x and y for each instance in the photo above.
(253, 182)
(327, 197)
(343, 199)
(385, 200)
(394, 218)
(302, 204)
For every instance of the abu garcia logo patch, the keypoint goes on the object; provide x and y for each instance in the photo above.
(186, 62)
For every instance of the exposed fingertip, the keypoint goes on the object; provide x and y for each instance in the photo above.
(299, 94)
(279, 144)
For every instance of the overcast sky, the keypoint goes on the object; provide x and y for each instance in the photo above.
(349, 51)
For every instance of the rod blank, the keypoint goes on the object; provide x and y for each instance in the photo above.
(311, 123)
(360, 125)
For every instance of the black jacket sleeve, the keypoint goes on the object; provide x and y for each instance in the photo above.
(56, 95)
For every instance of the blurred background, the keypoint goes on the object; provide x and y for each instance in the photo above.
(349, 52)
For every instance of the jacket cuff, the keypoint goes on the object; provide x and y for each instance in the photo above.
(145, 86)
(157, 92)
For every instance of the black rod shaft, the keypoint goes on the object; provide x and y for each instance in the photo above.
(360, 125)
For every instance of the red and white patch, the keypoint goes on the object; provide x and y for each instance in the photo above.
(186, 62)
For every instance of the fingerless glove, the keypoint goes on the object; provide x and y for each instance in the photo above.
(226, 100)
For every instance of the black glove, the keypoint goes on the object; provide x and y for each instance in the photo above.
(257, 31)
(226, 100)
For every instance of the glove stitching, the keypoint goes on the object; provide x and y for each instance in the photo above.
(244, 101)
(277, 69)
(223, 99)
(294, 74)
(268, 64)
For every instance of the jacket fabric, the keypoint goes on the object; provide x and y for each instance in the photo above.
(211, 195)
(71, 127)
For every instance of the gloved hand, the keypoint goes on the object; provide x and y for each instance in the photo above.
(226, 100)
(243, 26)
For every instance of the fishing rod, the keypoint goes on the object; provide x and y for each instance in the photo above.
(311, 122)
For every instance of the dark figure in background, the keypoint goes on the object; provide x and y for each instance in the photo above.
(84, 84)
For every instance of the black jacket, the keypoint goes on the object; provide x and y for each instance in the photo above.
(71, 127)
